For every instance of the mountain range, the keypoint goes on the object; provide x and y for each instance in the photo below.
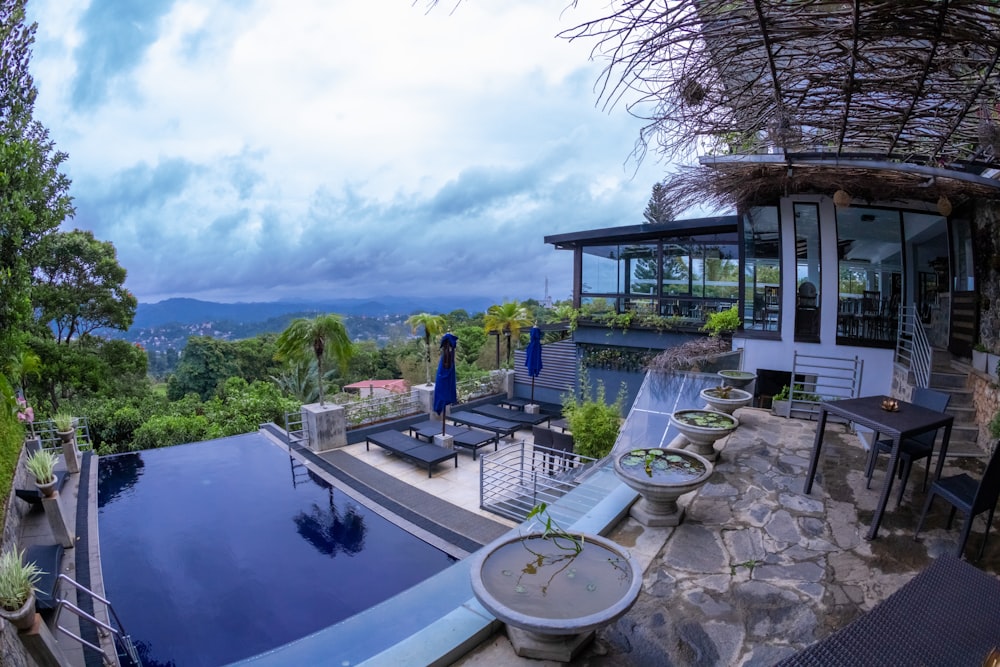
(194, 311)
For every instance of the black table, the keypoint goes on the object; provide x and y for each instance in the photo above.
(908, 421)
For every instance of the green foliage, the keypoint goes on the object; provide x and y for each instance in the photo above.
(241, 407)
(78, 285)
(508, 318)
(323, 337)
(783, 394)
(11, 439)
(206, 363)
(63, 421)
(594, 422)
(433, 326)
(552, 531)
(17, 579)
(471, 341)
(723, 322)
(167, 430)
(41, 463)
(994, 425)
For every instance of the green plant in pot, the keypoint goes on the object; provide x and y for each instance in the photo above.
(42, 464)
(594, 422)
(723, 323)
(64, 423)
(17, 589)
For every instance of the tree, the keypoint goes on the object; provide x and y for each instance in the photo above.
(507, 319)
(324, 336)
(79, 285)
(658, 210)
(34, 197)
(433, 326)
(205, 364)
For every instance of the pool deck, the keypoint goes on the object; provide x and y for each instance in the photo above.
(757, 571)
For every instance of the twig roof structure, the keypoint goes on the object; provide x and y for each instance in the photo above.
(888, 99)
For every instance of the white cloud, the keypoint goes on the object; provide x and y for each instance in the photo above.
(251, 150)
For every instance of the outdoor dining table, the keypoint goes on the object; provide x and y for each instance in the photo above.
(909, 420)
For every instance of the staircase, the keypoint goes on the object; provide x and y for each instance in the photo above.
(949, 376)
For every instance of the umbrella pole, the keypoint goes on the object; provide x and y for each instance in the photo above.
(532, 388)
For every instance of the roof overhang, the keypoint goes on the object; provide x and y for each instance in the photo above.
(721, 224)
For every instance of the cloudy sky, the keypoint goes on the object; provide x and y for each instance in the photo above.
(253, 150)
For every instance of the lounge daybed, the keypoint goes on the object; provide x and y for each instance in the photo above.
(411, 448)
(48, 558)
(502, 427)
(34, 496)
(518, 416)
(462, 436)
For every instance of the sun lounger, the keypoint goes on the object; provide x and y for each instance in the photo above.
(515, 403)
(48, 557)
(502, 427)
(412, 449)
(34, 496)
(462, 436)
(518, 416)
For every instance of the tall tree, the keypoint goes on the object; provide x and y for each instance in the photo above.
(79, 285)
(658, 210)
(507, 319)
(433, 326)
(34, 197)
(324, 336)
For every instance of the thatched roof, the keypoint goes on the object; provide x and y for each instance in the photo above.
(905, 90)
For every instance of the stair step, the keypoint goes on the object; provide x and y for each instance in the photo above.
(949, 379)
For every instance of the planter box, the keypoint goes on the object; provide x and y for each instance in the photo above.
(980, 360)
(782, 408)
(991, 364)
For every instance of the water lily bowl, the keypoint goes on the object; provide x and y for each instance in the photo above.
(551, 598)
(702, 428)
(737, 398)
(738, 379)
(660, 477)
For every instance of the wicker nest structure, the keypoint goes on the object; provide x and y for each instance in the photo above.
(893, 99)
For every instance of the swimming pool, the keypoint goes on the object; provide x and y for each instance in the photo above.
(216, 551)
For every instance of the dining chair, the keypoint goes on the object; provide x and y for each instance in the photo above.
(772, 305)
(972, 497)
(910, 449)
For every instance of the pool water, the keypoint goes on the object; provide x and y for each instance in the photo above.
(216, 551)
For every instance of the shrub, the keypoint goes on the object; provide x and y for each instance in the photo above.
(594, 422)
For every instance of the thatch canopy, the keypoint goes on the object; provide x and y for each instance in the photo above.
(889, 99)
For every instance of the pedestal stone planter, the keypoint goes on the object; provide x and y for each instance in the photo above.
(702, 428)
(550, 596)
(660, 477)
(721, 400)
(738, 379)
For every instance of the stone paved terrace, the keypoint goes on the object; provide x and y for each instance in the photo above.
(758, 569)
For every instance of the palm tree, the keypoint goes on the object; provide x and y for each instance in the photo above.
(508, 319)
(433, 326)
(324, 336)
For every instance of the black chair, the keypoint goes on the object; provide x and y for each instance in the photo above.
(972, 497)
(910, 449)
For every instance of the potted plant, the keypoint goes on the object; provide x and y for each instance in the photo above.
(660, 477)
(553, 588)
(65, 425)
(17, 589)
(722, 323)
(725, 398)
(980, 357)
(781, 403)
(702, 428)
(41, 464)
(738, 379)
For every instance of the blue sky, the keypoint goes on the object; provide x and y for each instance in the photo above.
(252, 150)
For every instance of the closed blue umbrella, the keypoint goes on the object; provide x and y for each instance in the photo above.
(445, 382)
(533, 357)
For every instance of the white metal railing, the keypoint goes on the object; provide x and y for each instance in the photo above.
(518, 477)
(373, 409)
(48, 434)
(913, 349)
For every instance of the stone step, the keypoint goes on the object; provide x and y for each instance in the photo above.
(948, 379)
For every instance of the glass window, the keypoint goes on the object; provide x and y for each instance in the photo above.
(761, 269)
(640, 267)
(676, 269)
(602, 271)
(807, 281)
(870, 254)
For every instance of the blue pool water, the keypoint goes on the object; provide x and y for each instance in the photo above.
(216, 551)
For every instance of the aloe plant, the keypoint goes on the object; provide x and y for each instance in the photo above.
(17, 579)
(42, 465)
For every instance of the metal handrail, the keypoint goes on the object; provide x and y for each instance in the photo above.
(103, 629)
(516, 478)
(913, 348)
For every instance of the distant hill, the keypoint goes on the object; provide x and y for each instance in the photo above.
(193, 311)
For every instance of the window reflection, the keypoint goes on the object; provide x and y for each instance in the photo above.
(870, 265)
(761, 269)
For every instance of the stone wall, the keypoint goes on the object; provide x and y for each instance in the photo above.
(986, 223)
(12, 653)
(986, 401)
